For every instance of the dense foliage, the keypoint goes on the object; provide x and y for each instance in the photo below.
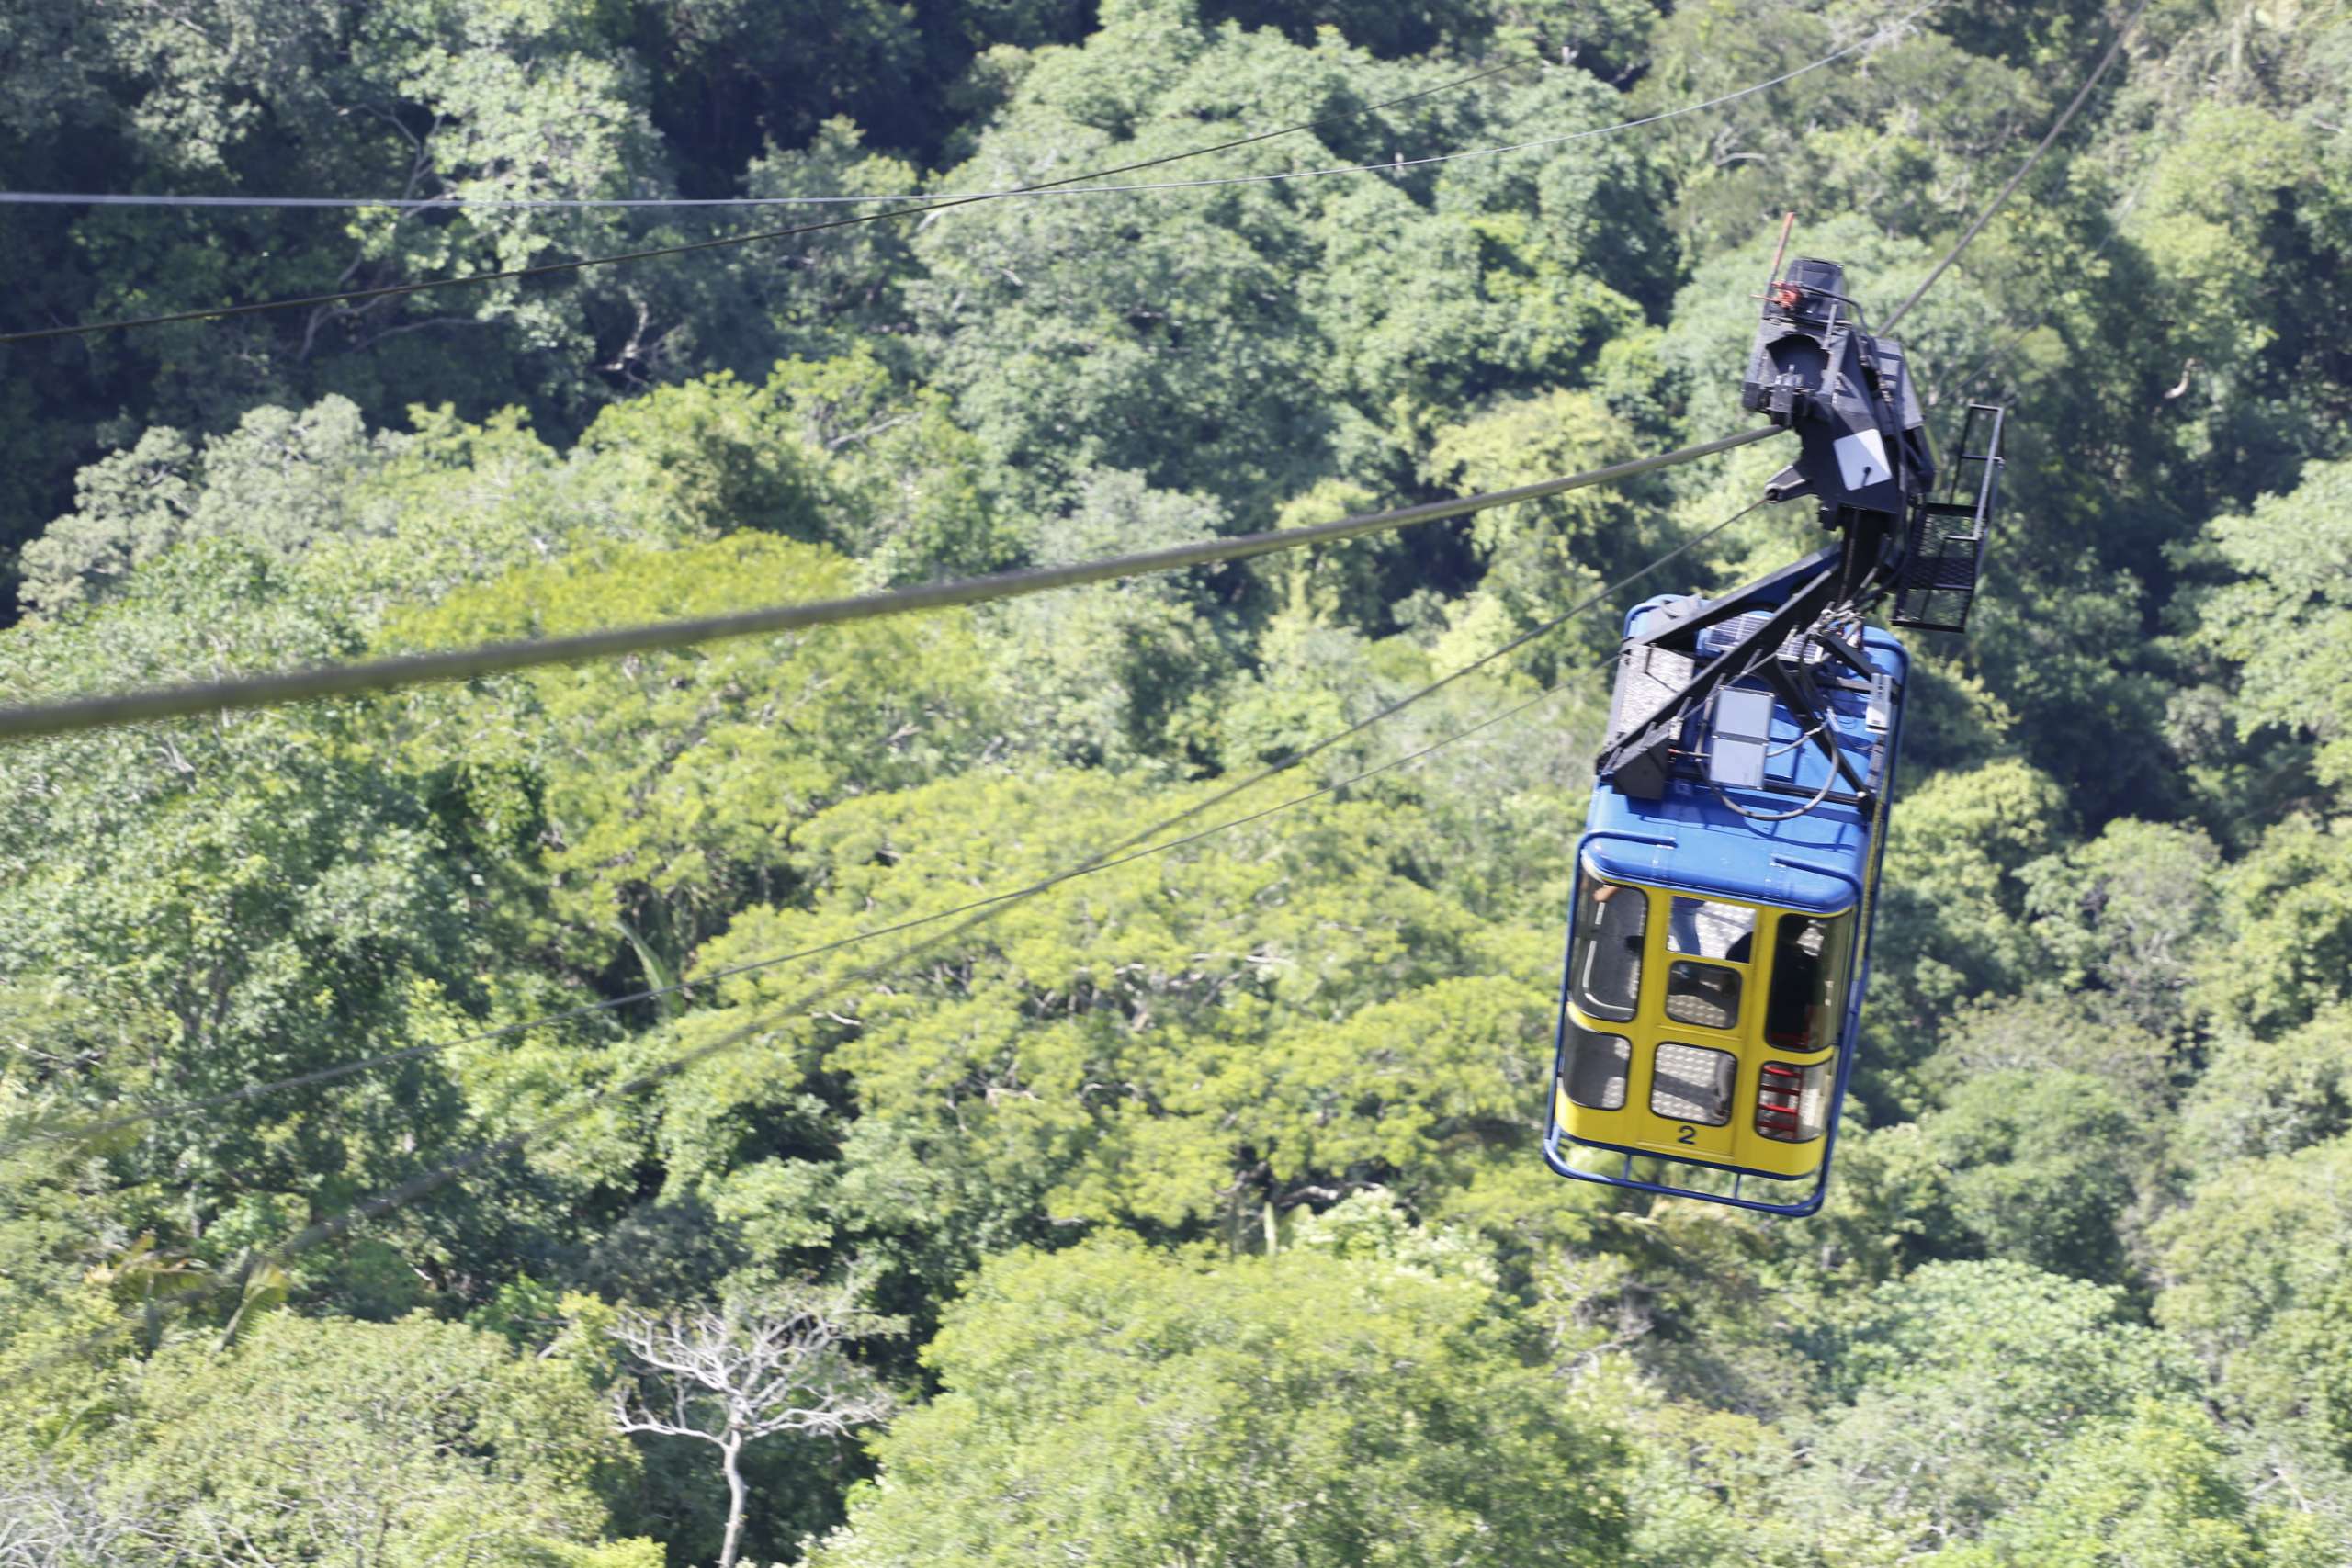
(1189, 1212)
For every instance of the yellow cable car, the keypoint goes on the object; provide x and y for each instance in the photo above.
(1669, 1018)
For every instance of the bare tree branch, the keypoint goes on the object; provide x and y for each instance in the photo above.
(752, 1367)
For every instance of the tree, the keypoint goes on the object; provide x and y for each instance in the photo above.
(673, 784)
(2123, 918)
(2043, 1163)
(255, 896)
(2258, 1274)
(2273, 1095)
(2287, 618)
(1949, 924)
(281, 482)
(415, 99)
(732, 74)
(2286, 912)
(1910, 126)
(754, 1366)
(1539, 557)
(1108, 678)
(2072, 1031)
(1959, 1384)
(52, 1519)
(1075, 336)
(1208, 1178)
(714, 456)
(1248, 340)
(2238, 184)
(411, 1444)
(909, 493)
(1174, 1042)
(2156, 1487)
(1129, 1409)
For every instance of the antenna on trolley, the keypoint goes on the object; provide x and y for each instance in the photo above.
(1772, 274)
(1815, 368)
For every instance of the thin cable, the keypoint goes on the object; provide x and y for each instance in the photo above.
(327, 1075)
(2000, 355)
(83, 198)
(1818, 797)
(546, 268)
(1050, 186)
(412, 669)
(2049, 138)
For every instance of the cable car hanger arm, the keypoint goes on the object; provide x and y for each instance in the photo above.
(1638, 754)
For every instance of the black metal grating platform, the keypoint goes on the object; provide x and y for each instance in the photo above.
(1946, 547)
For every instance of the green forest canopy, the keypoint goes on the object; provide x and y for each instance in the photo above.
(1192, 1210)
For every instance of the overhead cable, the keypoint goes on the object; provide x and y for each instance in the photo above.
(449, 203)
(2048, 140)
(74, 714)
(544, 269)
(930, 205)
(87, 1130)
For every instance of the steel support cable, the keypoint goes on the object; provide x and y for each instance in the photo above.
(1072, 185)
(75, 714)
(547, 268)
(460, 203)
(87, 1130)
(2049, 138)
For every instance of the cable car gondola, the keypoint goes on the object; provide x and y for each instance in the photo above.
(1719, 933)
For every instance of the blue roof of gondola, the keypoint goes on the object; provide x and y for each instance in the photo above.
(1691, 841)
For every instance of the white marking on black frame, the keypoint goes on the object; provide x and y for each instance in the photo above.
(1861, 459)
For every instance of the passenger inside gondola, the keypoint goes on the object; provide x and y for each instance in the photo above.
(1706, 993)
(1800, 1012)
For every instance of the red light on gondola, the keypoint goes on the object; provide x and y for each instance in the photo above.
(1780, 1093)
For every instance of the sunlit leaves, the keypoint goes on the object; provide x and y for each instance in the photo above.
(1306, 1409)
(674, 780)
